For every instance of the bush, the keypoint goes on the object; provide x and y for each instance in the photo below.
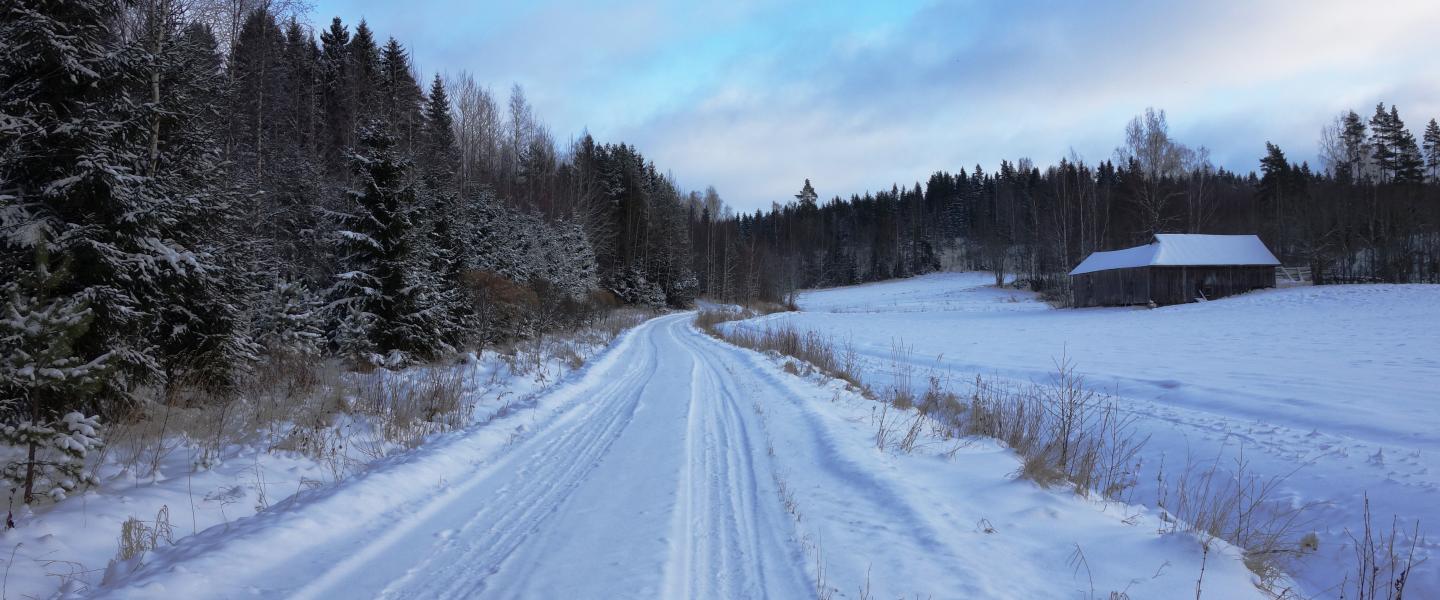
(499, 304)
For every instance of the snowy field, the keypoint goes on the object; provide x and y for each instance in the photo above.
(1337, 387)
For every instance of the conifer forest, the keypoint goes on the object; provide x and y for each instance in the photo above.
(240, 240)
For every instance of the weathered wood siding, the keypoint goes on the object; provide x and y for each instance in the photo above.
(1115, 287)
(1167, 285)
(1178, 285)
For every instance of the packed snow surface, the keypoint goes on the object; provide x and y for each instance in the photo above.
(1335, 389)
(676, 466)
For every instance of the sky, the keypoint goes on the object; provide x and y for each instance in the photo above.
(755, 96)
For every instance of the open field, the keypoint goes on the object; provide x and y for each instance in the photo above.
(1334, 389)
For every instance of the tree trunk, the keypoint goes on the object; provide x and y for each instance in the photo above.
(31, 451)
(158, 11)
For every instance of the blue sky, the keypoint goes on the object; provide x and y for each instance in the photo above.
(754, 96)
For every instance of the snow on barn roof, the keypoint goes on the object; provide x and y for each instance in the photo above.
(1183, 249)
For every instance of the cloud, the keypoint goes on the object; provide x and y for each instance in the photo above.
(753, 97)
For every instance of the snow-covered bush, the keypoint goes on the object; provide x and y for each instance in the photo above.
(351, 338)
(50, 455)
(290, 322)
(683, 292)
(632, 286)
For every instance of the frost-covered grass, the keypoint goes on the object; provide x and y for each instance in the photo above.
(1269, 416)
(175, 468)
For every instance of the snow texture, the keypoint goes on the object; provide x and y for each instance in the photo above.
(1334, 388)
(1183, 249)
(678, 466)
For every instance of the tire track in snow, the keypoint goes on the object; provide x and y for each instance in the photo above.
(742, 536)
(857, 513)
(505, 517)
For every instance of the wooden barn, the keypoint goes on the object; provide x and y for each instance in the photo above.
(1174, 269)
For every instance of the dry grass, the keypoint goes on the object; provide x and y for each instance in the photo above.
(1063, 431)
(1066, 434)
(810, 348)
(1237, 505)
(1381, 569)
(337, 417)
(138, 537)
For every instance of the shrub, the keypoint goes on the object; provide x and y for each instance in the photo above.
(499, 304)
(50, 456)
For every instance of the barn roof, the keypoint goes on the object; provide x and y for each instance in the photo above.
(1183, 249)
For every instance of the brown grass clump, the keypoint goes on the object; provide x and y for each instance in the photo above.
(809, 347)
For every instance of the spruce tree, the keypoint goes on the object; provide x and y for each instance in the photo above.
(199, 322)
(337, 99)
(400, 97)
(439, 162)
(79, 188)
(290, 323)
(258, 69)
(364, 77)
(41, 372)
(1409, 164)
(374, 291)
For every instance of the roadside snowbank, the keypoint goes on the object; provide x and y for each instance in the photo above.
(186, 485)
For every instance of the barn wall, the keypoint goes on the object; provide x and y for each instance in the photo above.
(1178, 285)
(1166, 285)
(1114, 287)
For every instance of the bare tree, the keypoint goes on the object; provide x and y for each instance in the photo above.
(1160, 160)
(477, 130)
(226, 17)
(1200, 206)
(521, 127)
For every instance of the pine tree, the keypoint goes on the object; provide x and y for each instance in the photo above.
(1356, 150)
(1275, 173)
(1432, 151)
(807, 196)
(1382, 138)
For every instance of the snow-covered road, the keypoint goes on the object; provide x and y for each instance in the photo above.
(677, 466)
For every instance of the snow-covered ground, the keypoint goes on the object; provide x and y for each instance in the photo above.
(1337, 387)
(677, 466)
(202, 489)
